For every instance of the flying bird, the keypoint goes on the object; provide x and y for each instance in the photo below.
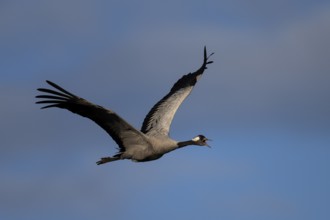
(149, 143)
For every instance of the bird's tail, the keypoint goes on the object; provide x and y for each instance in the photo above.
(104, 160)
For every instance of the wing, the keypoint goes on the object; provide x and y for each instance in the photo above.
(159, 119)
(123, 133)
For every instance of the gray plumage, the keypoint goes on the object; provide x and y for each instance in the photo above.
(152, 141)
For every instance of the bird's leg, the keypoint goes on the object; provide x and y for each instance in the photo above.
(106, 160)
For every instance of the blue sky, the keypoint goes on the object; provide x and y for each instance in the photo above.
(264, 102)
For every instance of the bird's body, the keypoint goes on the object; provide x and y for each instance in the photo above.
(152, 142)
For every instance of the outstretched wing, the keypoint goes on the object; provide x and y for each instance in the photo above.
(123, 133)
(159, 118)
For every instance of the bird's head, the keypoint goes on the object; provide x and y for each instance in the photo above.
(201, 140)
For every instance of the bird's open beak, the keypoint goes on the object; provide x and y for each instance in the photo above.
(207, 145)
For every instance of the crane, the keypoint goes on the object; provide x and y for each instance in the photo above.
(149, 143)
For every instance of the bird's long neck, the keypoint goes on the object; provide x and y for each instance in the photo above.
(185, 143)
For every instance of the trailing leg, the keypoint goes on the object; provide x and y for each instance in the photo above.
(107, 159)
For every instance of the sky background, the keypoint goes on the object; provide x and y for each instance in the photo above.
(264, 102)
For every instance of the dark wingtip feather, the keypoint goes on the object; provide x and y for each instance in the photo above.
(205, 61)
(50, 97)
(59, 88)
(48, 101)
(54, 92)
(54, 98)
(205, 53)
(49, 106)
